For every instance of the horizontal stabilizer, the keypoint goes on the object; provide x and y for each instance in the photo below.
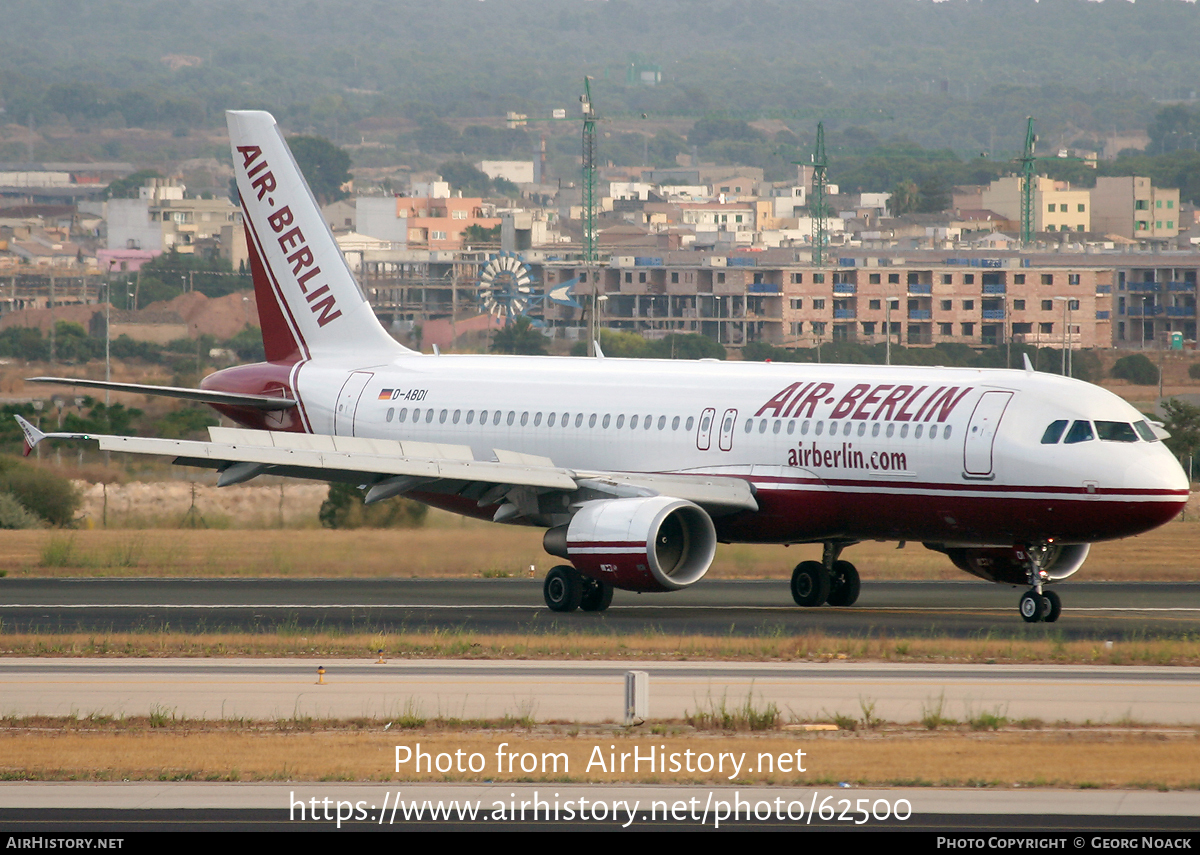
(204, 396)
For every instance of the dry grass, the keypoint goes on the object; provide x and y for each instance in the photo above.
(556, 643)
(362, 751)
(455, 547)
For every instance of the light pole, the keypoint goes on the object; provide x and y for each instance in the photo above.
(1143, 319)
(1066, 301)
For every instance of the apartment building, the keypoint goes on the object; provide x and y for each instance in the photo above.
(163, 218)
(1155, 304)
(1056, 206)
(1132, 207)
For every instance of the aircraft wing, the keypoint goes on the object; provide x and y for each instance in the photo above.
(392, 467)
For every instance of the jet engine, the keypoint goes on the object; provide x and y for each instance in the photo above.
(657, 543)
(1010, 565)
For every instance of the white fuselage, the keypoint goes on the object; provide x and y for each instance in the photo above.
(854, 451)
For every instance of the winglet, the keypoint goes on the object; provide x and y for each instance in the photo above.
(599, 352)
(1028, 364)
(32, 435)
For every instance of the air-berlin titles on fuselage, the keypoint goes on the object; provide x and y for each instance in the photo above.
(321, 301)
(863, 402)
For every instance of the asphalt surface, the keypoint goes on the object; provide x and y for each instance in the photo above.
(1091, 610)
(1092, 819)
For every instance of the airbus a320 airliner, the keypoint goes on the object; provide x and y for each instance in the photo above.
(637, 468)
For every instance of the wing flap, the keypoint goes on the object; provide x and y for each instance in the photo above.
(326, 457)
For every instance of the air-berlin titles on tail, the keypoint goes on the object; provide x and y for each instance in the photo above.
(865, 401)
(321, 301)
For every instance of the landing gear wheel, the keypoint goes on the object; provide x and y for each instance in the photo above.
(845, 585)
(1053, 607)
(596, 595)
(810, 584)
(1032, 607)
(563, 589)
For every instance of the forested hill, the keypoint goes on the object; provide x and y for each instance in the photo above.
(943, 74)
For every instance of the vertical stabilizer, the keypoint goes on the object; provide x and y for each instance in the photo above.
(308, 300)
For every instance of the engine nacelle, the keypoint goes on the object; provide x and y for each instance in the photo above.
(1010, 565)
(640, 544)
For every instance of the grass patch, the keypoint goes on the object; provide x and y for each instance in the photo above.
(932, 716)
(719, 715)
(289, 637)
(457, 548)
(992, 719)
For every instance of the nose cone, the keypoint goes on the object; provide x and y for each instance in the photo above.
(1158, 489)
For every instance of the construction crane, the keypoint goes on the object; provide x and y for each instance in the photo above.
(1028, 180)
(817, 204)
(589, 175)
(1028, 161)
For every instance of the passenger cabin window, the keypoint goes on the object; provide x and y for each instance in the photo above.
(1081, 431)
(1116, 432)
(1054, 432)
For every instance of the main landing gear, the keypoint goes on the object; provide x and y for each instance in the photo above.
(1040, 608)
(566, 589)
(1037, 604)
(831, 581)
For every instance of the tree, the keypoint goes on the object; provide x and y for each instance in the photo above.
(1136, 368)
(1182, 421)
(520, 336)
(904, 199)
(465, 177)
(934, 195)
(325, 167)
(345, 508)
(127, 187)
(478, 234)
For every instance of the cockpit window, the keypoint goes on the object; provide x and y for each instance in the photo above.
(1054, 432)
(1145, 431)
(1116, 432)
(1081, 431)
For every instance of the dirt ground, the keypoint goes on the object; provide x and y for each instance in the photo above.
(300, 751)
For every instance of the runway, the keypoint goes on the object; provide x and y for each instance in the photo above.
(591, 692)
(1030, 813)
(1091, 610)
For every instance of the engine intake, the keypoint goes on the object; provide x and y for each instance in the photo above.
(657, 543)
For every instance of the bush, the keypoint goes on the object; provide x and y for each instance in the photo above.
(40, 491)
(1194, 371)
(13, 514)
(345, 509)
(1136, 368)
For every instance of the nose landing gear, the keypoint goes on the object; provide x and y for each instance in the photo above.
(1037, 604)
